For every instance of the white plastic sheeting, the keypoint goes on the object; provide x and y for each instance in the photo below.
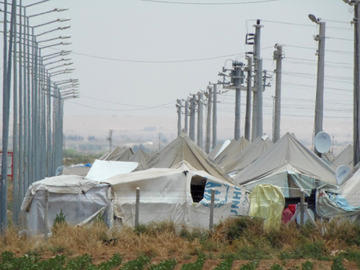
(104, 169)
(79, 199)
(165, 195)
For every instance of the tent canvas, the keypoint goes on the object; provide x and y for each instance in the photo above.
(219, 148)
(251, 153)
(79, 199)
(141, 157)
(119, 154)
(183, 149)
(181, 195)
(289, 164)
(345, 157)
(104, 169)
(232, 151)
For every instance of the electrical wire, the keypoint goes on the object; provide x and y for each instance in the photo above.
(155, 61)
(119, 110)
(209, 3)
(300, 24)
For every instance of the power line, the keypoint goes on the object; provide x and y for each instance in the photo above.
(301, 24)
(209, 3)
(313, 48)
(106, 58)
(119, 110)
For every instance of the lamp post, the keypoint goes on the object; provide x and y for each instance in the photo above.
(319, 105)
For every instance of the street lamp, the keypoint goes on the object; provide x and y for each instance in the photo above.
(319, 110)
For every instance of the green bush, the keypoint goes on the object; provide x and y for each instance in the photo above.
(249, 266)
(276, 267)
(307, 265)
(137, 264)
(198, 265)
(165, 265)
(337, 264)
(225, 264)
(308, 250)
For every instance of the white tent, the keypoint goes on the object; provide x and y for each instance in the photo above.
(251, 153)
(345, 157)
(79, 199)
(287, 164)
(181, 195)
(219, 148)
(232, 151)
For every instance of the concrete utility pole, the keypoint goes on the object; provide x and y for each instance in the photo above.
(237, 79)
(110, 139)
(200, 121)
(319, 107)
(192, 118)
(214, 139)
(208, 120)
(258, 81)
(186, 130)
(178, 107)
(248, 69)
(278, 56)
(356, 112)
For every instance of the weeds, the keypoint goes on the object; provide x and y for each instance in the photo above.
(307, 265)
(337, 264)
(225, 264)
(249, 266)
(165, 265)
(198, 265)
(137, 264)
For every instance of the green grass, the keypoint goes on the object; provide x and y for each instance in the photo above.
(164, 265)
(198, 265)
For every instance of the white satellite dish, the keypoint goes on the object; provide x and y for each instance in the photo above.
(322, 142)
(342, 172)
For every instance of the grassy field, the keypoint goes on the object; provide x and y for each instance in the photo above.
(239, 243)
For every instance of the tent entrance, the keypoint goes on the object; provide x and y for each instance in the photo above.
(197, 188)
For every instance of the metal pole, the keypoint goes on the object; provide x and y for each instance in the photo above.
(248, 98)
(302, 208)
(278, 55)
(16, 197)
(192, 118)
(137, 207)
(258, 81)
(259, 108)
(48, 129)
(212, 205)
(208, 121)
(178, 107)
(200, 121)
(21, 112)
(214, 126)
(320, 79)
(187, 117)
(46, 214)
(6, 116)
(356, 129)
(237, 82)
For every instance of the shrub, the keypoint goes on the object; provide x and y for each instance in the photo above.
(165, 265)
(198, 265)
(249, 266)
(225, 264)
(307, 265)
(137, 264)
(337, 264)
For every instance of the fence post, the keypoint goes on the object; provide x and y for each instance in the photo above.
(302, 208)
(46, 213)
(211, 221)
(137, 204)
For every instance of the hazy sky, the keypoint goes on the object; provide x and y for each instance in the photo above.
(132, 59)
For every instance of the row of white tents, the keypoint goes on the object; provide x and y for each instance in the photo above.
(176, 183)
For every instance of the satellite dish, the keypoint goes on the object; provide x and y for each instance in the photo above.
(322, 142)
(342, 172)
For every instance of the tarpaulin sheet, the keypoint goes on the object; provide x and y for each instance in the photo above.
(267, 202)
(104, 169)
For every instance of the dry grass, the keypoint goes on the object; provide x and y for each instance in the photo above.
(243, 238)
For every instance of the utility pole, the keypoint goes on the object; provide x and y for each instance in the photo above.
(178, 107)
(192, 118)
(214, 139)
(110, 139)
(278, 56)
(248, 69)
(237, 79)
(200, 121)
(6, 113)
(186, 117)
(258, 80)
(319, 107)
(208, 120)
